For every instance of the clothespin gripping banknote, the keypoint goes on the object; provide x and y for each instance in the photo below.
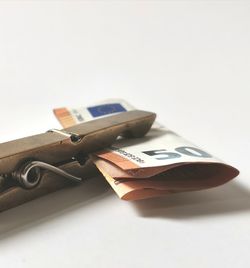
(160, 163)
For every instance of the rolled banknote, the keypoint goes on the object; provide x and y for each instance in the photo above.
(160, 163)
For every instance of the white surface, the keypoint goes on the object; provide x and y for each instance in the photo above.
(189, 62)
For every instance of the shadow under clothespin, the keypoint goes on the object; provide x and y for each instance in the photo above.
(46, 208)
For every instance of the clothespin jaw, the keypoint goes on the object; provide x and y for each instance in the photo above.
(36, 165)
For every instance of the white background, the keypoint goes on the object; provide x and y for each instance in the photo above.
(189, 61)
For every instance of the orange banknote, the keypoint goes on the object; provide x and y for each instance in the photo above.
(160, 163)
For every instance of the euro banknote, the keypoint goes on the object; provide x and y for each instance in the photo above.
(160, 163)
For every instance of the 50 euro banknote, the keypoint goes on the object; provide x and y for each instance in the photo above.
(160, 163)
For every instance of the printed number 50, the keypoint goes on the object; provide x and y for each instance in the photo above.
(163, 154)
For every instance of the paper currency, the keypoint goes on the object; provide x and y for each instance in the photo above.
(71, 116)
(162, 162)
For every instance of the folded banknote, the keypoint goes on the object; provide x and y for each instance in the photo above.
(160, 163)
